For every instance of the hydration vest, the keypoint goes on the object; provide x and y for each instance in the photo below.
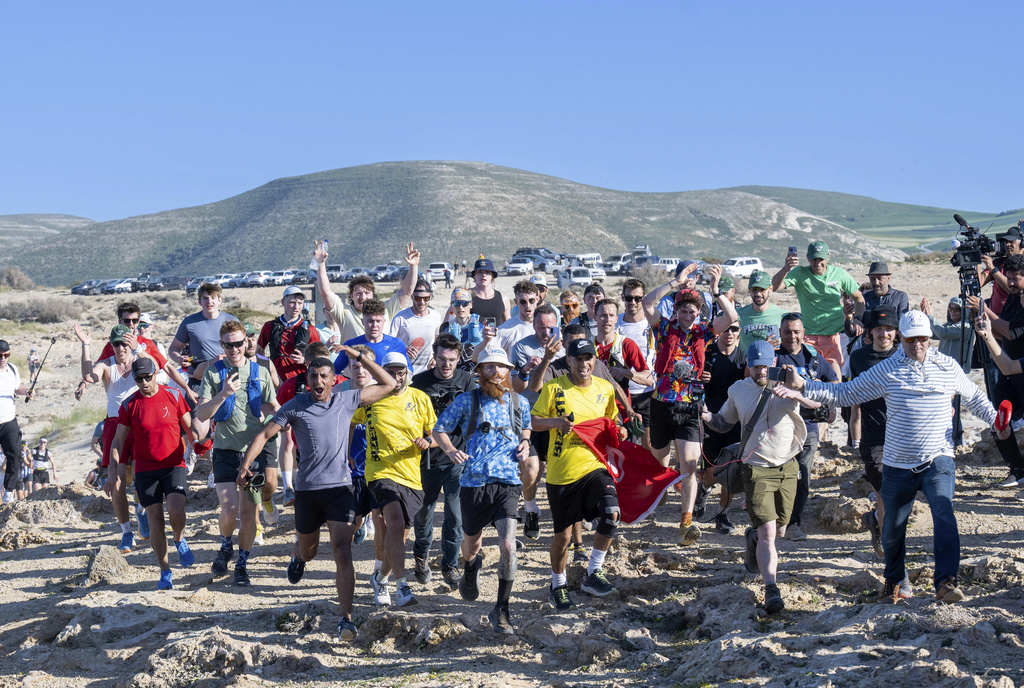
(252, 391)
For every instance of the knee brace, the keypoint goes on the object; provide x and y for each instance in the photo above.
(608, 521)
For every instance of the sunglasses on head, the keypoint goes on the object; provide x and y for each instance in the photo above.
(460, 304)
(144, 378)
(233, 345)
(632, 299)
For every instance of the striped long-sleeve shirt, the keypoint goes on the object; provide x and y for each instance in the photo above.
(918, 398)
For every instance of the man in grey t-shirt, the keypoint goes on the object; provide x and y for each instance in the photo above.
(321, 419)
(201, 333)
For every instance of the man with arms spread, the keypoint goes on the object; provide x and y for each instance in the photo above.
(156, 416)
(443, 384)
(761, 319)
(578, 483)
(918, 384)
(321, 419)
(490, 485)
(820, 288)
(417, 327)
(10, 433)
(397, 428)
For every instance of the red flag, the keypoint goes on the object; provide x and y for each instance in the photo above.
(640, 480)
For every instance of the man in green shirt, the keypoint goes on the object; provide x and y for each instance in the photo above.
(761, 319)
(238, 398)
(820, 288)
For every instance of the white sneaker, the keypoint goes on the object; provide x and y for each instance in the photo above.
(271, 515)
(190, 460)
(258, 540)
(405, 598)
(1017, 424)
(209, 480)
(381, 594)
(370, 528)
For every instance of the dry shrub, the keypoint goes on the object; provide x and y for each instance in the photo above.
(14, 278)
(51, 309)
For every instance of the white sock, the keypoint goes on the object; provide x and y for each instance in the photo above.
(558, 580)
(292, 475)
(596, 560)
(531, 506)
(126, 527)
(377, 565)
(286, 478)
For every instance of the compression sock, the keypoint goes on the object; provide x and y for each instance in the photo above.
(558, 580)
(596, 560)
(126, 527)
(243, 557)
(504, 592)
(531, 506)
(225, 542)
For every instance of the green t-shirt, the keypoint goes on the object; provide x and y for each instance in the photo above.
(754, 325)
(236, 432)
(821, 302)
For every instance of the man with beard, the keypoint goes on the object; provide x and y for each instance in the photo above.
(761, 319)
(397, 431)
(498, 441)
(633, 324)
(578, 483)
(443, 384)
(321, 419)
(417, 326)
(156, 416)
(880, 293)
(676, 406)
(769, 471)
(490, 305)
(820, 288)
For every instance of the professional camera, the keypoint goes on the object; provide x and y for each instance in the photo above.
(683, 411)
(970, 245)
(816, 415)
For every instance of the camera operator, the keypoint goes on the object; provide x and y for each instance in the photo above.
(994, 271)
(810, 365)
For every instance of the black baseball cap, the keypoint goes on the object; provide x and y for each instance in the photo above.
(579, 347)
(143, 366)
(4, 346)
(594, 288)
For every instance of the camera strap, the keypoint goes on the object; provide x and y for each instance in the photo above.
(766, 393)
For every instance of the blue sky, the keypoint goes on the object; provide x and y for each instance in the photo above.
(116, 109)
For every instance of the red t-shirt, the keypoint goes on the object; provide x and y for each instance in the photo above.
(151, 349)
(155, 425)
(631, 356)
(286, 367)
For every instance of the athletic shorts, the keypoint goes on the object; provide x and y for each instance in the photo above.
(541, 441)
(828, 346)
(641, 403)
(664, 431)
(154, 486)
(583, 500)
(313, 508)
(715, 442)
(485, 505)
(109, 430)
(226, 463)
(364, 501)
(872, 458)
(385, 491)
(41, 477)
(770, 492)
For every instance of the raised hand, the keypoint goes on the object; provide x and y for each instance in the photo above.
(319, 252)
(412, 256)
(83, 335)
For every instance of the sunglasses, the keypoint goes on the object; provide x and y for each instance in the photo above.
(917, 340)
(524, 302)
(632, 299)
(117, 345)
(733, 329)
(460, 304)
(130, 321)
(5, 355)
(421, 298)
(570, 304)
(233, 345)
(144, 378)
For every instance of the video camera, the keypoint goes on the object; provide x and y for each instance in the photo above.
(969, 246)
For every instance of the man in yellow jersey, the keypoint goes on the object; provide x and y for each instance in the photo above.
(579, 486)
(397, 431)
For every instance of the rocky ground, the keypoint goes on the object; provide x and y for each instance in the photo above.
(77, 613)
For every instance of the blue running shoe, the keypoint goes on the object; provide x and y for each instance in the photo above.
(360, 534)
(140, 513)
(166, 580)
(185, 556)
(127, 542)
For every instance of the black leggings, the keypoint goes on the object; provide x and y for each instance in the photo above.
(10, 442)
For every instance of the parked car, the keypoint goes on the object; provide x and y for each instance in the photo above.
(259, 278)
(578, 277)
(665, 264)
(306, 276)
(641, 250)
(193, 286)
(280, 278)
(141, 283)
(740, 268)
(520, 265)
(435, 271)
(84, 286)
(355, 272)
(118, 286)
(168, 283)
(380, 272)
(616, 264)
(335, 272)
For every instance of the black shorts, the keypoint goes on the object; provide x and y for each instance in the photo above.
(41, 477)
(153, 486)
(872, 458)
(641, 403)
(364, 501)
(664, 430)
(583, 500)
(541, 441)
(715, 442)
(313, 508)
(385, 491)
(485, 505)
(227, 461)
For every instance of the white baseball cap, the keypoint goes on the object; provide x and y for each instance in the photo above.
(494, 354)
(915, 324)
(293, 290)
(394, 358)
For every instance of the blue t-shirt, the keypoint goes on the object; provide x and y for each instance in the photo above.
(357, 451)
(380, 348)
(492, 454)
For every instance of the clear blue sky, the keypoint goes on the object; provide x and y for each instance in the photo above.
(115, 109)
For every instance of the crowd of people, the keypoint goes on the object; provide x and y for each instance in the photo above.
(365, 419)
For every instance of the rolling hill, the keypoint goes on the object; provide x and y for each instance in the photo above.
(456, 210)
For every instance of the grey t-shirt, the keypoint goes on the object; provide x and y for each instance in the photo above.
(522, 352)
(321, 435)
(203, 335)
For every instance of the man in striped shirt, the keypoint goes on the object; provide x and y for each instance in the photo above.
(918, 384)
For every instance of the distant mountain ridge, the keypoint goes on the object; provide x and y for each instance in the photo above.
(451, 210)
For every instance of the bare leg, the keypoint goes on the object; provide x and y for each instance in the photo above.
(345, 575)
(529, 473)
(560, 550)
(394, 539)
(119, 495)
(689, 458)
(176, 514)
(158, 536)
(227, 495)
(767, 555)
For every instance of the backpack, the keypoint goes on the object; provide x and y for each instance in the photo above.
(277, 328)
(517, 420)
(252, 391)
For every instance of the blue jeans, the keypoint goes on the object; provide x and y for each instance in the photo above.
(434, 479)
(900, 486)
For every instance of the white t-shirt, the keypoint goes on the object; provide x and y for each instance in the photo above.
(418, 332)
(639, 332)
(349, 320)
(10, 380)
(511, 331)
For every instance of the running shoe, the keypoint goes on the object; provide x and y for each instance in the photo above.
(579, 554)
(347, 630)
(220, 564)
(688, 534)
(381, 594)
(185, 556)
(501, 622)
(773, 603)
(296, 567)
(723, 525)
(531, 528)
(468, 587)
(1013, 480)
(906, 589)
(289, 496)
(560, 596)
(597, 584)
(404, 596)
(270, 513)
(241, 577)
(870, 522)
(451, 577)
(258, 540)
(700, 504)
(127, 542)
(794, 533)
(166, 581)
(143, 519)
(360, 534)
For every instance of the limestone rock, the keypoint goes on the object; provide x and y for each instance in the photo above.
(842, 514)
(108, 565)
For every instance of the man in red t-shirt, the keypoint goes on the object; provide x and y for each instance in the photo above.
(156, 416)
(286, 337)
(625, 361)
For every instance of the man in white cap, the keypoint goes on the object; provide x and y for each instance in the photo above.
(917, 384)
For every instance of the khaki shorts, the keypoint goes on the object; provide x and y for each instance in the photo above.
(770, 492)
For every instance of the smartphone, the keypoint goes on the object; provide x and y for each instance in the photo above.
(490, 322)
(792, 250)
(555, 332)
(777, 374)
(773, 331)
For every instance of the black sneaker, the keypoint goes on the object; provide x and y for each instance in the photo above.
(500, 621)
(890, 592)
(451, 577)
(773, 603)
(296, 567)
(597, 584)
(560, 596)
(468, 587)
(750, 558)
(723, 525)
(700, 504)
(531, 528)
(870, 522)
(422, 571)
(347, 630)
(220, 564)
(241, 577)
